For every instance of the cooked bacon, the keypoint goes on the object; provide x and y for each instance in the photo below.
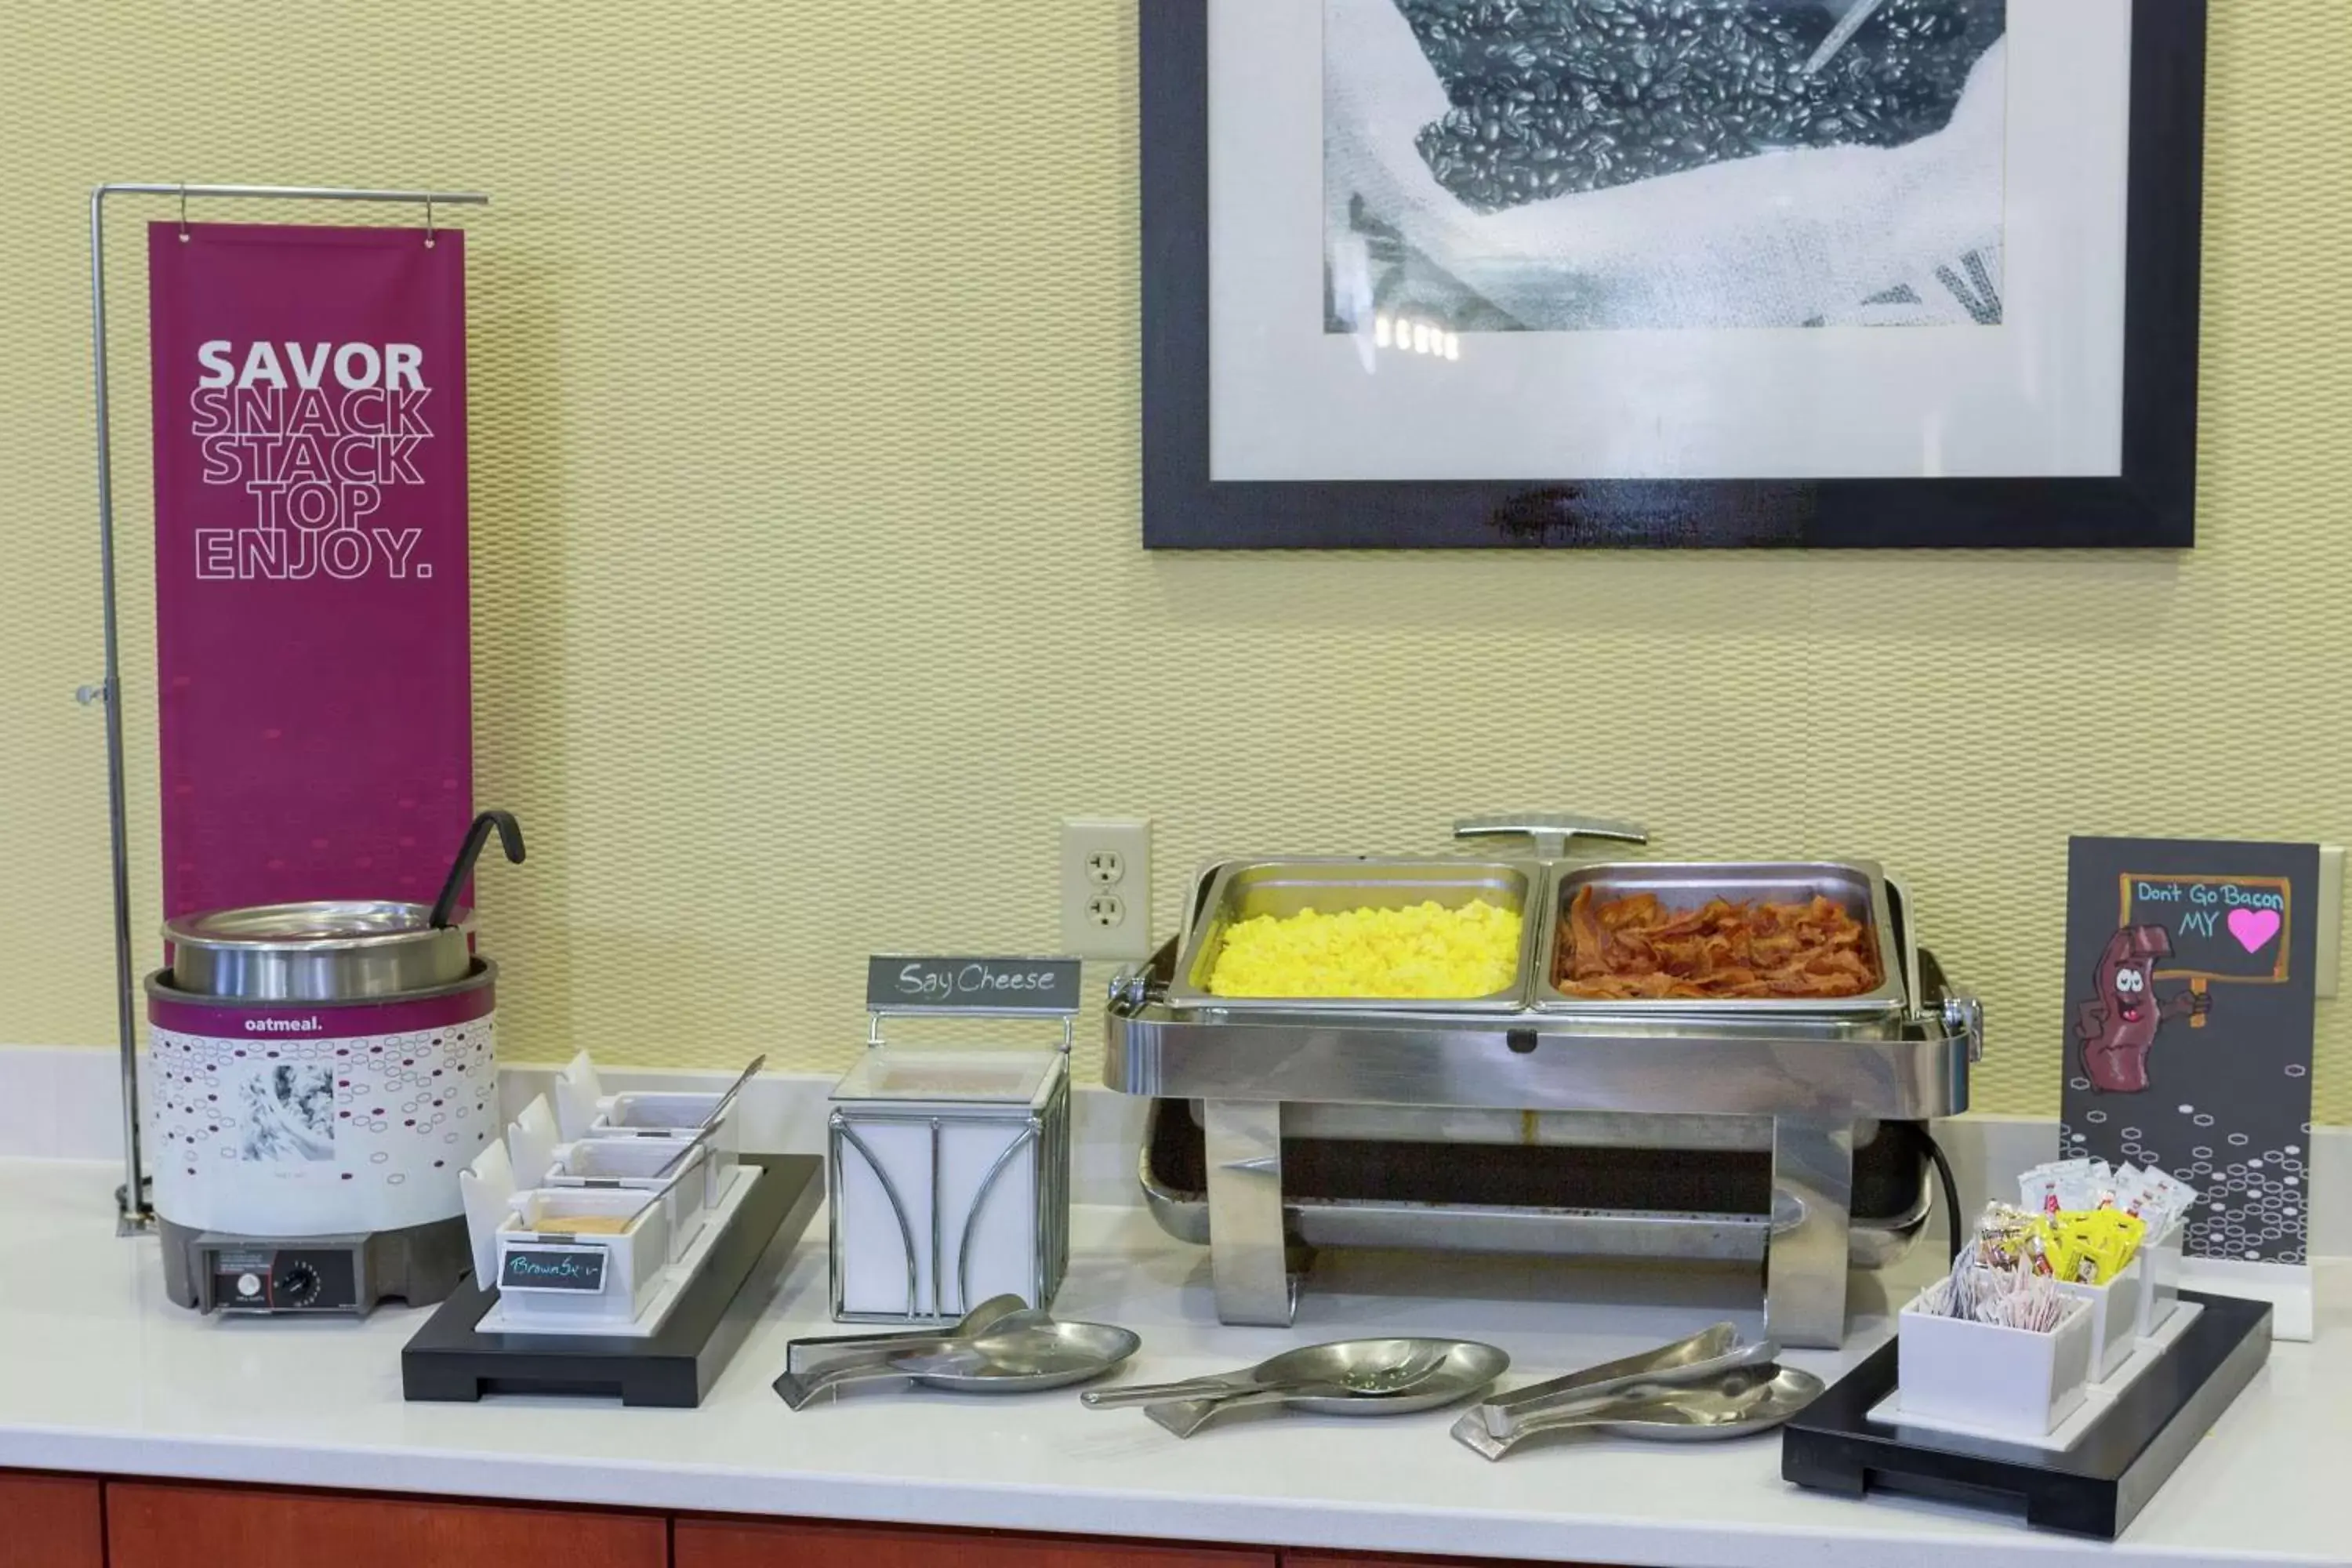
(1641, 911)
(1634, 948)
(1587, 954)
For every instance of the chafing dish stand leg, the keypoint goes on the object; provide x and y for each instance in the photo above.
(1813, 1206)
(1248, 1256)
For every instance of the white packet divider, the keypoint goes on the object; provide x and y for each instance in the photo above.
(1996, 1379)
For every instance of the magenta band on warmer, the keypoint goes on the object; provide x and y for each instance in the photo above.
(476, 998)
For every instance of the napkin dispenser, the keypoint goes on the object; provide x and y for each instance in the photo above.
(948, 1165)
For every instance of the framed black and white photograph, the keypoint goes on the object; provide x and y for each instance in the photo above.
(1436, 273)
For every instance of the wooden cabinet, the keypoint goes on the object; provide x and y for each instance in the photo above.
(749, 1544)
(167, 1526)
(75, 1522)
(51, 1522)
(1292, 1559)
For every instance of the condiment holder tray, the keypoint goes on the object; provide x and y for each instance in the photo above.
(459, 1356)
(503, 1317)
(2098, 1398)
(2090, 1477)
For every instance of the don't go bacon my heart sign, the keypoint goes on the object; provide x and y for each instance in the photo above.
(2189, 1029)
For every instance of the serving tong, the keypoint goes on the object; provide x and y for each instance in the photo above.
(1001, 1346)
(1703, 1387)
(1344, 1377)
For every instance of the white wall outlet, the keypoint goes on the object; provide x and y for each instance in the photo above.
(1104, 876)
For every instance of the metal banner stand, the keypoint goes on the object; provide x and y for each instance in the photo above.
(134, 1217)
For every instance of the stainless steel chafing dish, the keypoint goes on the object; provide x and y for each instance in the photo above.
(1785, 1132)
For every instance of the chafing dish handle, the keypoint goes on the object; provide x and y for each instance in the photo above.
(1550, 831)
(1960, 1017)
(1964, 1020)
(1143, 985)
(1132, 990)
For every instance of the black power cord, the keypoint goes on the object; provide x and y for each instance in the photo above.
(1952, 1219)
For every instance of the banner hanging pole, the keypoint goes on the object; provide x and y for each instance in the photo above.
(133, 1215)
(291, 193)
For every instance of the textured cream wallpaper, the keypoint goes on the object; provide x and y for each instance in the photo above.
(808, 591)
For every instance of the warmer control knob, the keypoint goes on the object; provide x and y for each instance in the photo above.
(298, 1284)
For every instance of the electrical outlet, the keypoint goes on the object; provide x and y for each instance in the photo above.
(1104, 877)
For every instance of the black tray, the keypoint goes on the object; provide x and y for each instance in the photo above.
(674, 1367)
(2096, 1488)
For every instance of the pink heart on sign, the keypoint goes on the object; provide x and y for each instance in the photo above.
(2252, 928)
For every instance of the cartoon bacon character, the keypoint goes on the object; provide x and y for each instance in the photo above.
(2120, 1022)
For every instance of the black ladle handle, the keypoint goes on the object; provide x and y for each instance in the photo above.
(509, 840)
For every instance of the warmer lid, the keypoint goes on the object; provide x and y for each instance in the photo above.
(328, 951)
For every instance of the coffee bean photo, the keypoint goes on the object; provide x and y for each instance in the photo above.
(1496, 165)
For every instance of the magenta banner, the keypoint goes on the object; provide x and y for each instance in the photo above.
(310, 575)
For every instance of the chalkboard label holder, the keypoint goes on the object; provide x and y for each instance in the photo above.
(593, 1264)
(964, 987)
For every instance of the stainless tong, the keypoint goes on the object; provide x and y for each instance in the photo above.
(812, 1366)
(1618, 1387)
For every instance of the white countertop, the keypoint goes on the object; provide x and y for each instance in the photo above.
(98, 1373)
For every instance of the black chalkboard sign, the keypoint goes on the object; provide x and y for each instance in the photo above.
(900, 984)
(2187, 1029)
(578, 1269)
(2221, 928)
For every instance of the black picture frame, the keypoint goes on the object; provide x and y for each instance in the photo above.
(2151, 505)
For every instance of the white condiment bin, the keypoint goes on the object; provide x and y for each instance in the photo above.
(486, 1186)
(635, 1160)
(2114, 1316)
(635, 1257)
(948, 1171)
(949, 1174)
(2159, 1279)
(666, 1114)
(531, 1141)
(579, 1096)
(1993, 1379)
(688, 1189)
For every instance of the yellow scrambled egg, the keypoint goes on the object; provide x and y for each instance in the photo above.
(1427, 951)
